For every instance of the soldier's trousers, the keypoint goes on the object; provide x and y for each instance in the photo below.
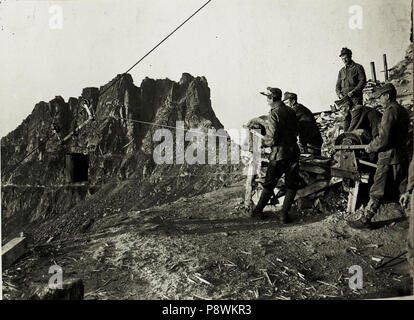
(275, 170)
(387, 181)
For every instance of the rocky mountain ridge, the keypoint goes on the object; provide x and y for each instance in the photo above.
(119, 144)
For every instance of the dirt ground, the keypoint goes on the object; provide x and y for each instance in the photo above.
(206, 247)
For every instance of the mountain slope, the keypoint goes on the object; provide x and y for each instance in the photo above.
(119, 143)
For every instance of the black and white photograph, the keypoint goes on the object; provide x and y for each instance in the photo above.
(206, 150)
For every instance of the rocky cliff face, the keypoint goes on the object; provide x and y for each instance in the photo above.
(119, 143)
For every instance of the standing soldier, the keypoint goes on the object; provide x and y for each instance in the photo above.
(351, 78)
(310, 138)
(391, 145)
(281, 136)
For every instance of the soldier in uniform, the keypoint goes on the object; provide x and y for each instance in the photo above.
(361, 117)
(391, 145)
(351, 78)
(281, 136)
(310, 138)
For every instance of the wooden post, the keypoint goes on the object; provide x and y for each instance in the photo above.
(385, 67)
(373, 74)
(353, 197)
(250, 172)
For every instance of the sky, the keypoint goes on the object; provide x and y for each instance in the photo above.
(240, 46)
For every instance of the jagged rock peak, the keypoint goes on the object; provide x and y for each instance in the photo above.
(186, 78)
(124, 79)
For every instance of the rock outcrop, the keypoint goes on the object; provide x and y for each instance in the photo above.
(119, 143)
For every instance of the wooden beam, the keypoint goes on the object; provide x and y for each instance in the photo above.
(368, 163)
(316, 187)
(249, 187)
(350, 147)
(318, 169)
(343, 173)
(12, 251)
(353, 197)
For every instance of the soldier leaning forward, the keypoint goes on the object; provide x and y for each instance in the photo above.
(310, 138)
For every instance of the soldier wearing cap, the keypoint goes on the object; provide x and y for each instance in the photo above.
(310, 138)
(391, 145)
(351, 78)
(281, 136)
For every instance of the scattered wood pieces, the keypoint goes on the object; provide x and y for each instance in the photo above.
(268, 279)
(326, 296)
(327, 284)
(301, 276)
(393, 259)
(282, 298)
(230, 264)
(256, 279)
(372, 246)
(191, 280)
(201, 298)
(198, 276)
(377, 259)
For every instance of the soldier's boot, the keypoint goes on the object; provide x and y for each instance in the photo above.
(287, 204)
(264, 199)
(364, 222)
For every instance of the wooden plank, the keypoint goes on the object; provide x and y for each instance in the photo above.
(368, 163)
(316, 187)
(12, 251)
(249, 187)
(318, 169)
(342, 173)
(350, 147)
(353, 197)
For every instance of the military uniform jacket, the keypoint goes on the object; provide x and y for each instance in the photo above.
(366, 118)
(351, 78)
(282, 132)
(391, 142)
(308, 129)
